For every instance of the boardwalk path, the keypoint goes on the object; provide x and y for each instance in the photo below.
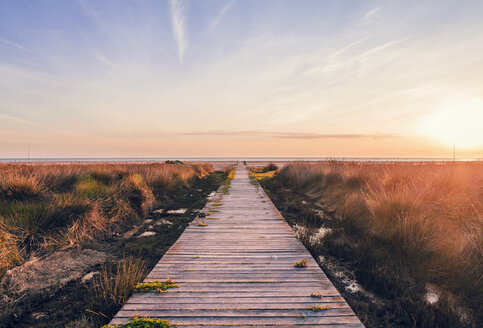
(239, 271)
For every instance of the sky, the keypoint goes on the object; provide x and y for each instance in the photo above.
(238, 78)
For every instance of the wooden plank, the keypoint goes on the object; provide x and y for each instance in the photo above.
(238, 270)
(158, 306)
(240, 313)
(256, 320)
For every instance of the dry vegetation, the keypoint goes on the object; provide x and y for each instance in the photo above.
(44, 207)
(396, 222)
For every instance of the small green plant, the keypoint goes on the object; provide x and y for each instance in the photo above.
(142, 323)
(301, 264)
(156, 285)
(317, 308)
(316, 295)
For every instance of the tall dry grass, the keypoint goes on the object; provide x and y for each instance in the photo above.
(115, 284)
(430, 213)
(45, 206)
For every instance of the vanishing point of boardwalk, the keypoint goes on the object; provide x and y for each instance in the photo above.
(237, 269)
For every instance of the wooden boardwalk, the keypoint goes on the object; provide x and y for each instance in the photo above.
(238, 270)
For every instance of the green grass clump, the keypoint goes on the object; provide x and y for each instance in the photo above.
(156, 285)
(301, 264)
(9, 253)
(316, 295)
(227, 182)
(317, 308)
(16, 187)
(142, 323)
(89, 187)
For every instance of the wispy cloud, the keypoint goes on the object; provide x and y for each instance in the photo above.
(88, 9)
(179, 30)
(384, 46)
(371, 14)
(290, 135)
(15, 45)
(221, 13)
(15, 119)
(353, 44)
(104, 60)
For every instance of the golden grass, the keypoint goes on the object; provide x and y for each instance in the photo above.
(301, 264)
(116, 283)
(430, 212)
(47, 205)
(9, 253)
(317, 308)
(263, 175)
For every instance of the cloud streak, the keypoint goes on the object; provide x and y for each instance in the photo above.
(221, 14)
(15, 119)
(15, 45)
(290, 135)
(371, 14)
(179, 29)
(104, 60)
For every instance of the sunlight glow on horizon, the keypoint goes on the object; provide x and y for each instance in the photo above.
(457, 123)
(220, 78)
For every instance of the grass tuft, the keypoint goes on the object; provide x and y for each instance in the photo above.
(301, 264)
(116, 282)
(317, 308)
(144, 322)
(156, 285)
(18, 187)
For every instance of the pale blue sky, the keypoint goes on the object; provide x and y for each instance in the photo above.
(240, 78)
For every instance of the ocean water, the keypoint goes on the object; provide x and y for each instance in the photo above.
(248, 159)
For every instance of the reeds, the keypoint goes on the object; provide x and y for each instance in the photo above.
(64, 205)
(9, 253)
(116, 282)
(430, 213)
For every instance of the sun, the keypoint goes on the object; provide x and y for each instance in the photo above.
(458, 123)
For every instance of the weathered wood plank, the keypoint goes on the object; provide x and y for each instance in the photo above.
(255, 320)
(238, 270)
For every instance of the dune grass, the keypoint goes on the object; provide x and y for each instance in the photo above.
(116, 283)
(419, 222)
(49, 206)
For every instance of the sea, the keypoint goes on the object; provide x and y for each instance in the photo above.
(246, 159)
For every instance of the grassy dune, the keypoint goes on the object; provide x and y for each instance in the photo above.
(400, 228)
(44, 207)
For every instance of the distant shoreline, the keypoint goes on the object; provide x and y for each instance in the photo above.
(234, 159)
